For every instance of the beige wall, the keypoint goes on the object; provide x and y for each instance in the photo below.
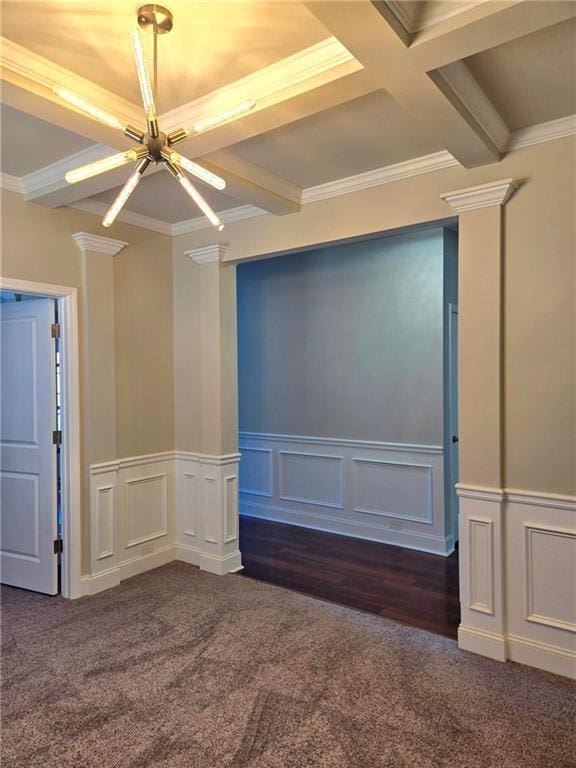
(539, 285)
(38, 245)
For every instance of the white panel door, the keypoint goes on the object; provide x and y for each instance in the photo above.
(28, 515)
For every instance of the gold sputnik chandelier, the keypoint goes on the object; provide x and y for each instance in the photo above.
(154, 146)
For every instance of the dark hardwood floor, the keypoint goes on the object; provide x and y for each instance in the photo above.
(415, 588)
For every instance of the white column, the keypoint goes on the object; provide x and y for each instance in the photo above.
(207, 480)
(482, 581)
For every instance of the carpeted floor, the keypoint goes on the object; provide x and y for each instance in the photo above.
(178, 668)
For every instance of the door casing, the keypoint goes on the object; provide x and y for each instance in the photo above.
(67, 298)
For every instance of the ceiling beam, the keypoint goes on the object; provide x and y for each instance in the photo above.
(371, 33)
(484, 27)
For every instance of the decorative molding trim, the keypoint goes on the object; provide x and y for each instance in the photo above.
(284, 496)
(50, 178)
(481, 196)
(342, 442)
(378, 176)
(484, 643)
(98, 244)
(550, 658)
(208, 253)
(516, 496)
(410, 16)
(537, 134)
(268, 83)
(228, 216)
(479, 492)
(427, 468)
(529, 530)
(10, 183)
(475, 525)
(127, 217)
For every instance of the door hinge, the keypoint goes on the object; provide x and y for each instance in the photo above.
(57, 437)
(58, 546)
(55, 330)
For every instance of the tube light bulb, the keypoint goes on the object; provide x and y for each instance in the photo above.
(123, 196)
(101, 166)
(143, 76)
(200, 202)
(223, 117)
(89, 109)
(197, 170)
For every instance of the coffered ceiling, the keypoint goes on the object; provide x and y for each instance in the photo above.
(341, 89)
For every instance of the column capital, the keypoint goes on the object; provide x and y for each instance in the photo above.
(208, 253)
(482, 196)
(98, 244)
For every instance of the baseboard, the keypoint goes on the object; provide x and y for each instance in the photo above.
(98, 582)
(483, 643)
(143, 563)
(542, 655)
(211, 563)
(421, 542)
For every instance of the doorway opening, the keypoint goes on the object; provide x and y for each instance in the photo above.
(347, 360)
(39, 429)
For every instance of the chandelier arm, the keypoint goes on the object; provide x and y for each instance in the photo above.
(194, 168)
(106, 164)
(175, 137)
(191, 190)
(98, 114)
(146, 90)
(125, 192)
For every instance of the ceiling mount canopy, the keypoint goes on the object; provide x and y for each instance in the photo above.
(154, 146)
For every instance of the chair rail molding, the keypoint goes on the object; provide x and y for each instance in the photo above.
(99, 244)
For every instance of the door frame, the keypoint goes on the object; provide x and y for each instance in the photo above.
(67, 298)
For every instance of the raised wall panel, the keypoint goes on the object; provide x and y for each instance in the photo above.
(256, 471)
(481, 565)
(104, 521)
(19, 490)
(311, 478)
(211, 508)
(190, 506)
(550, 573)
(145, 509)
(392, 489)
(231, 508)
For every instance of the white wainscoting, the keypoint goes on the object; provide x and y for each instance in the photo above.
(146, 511)
(518, 591)
(388, 492)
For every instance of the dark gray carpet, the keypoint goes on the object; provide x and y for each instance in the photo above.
(180, 668)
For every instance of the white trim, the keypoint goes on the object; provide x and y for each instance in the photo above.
(481, 196)
(10, 183)
(551, 658)
(208, 253)
(98, 244)
(228, 216)
(127, 217)
(50, 178)
(266, 84)
(344, 442)
(480, 492)
(217, 564)
(516, 496)
(484, 643)
(537, 134)
(378, 176)
(409, 15)
(71, 472)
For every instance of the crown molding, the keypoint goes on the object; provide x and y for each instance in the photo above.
(537, 134)
(126, 217)
(10, 183)
(208, 253)
(51, 177)
(481, 196)
(98, 244)
(378, 176)
(407, 13)
(266, 85)
(228, 216)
